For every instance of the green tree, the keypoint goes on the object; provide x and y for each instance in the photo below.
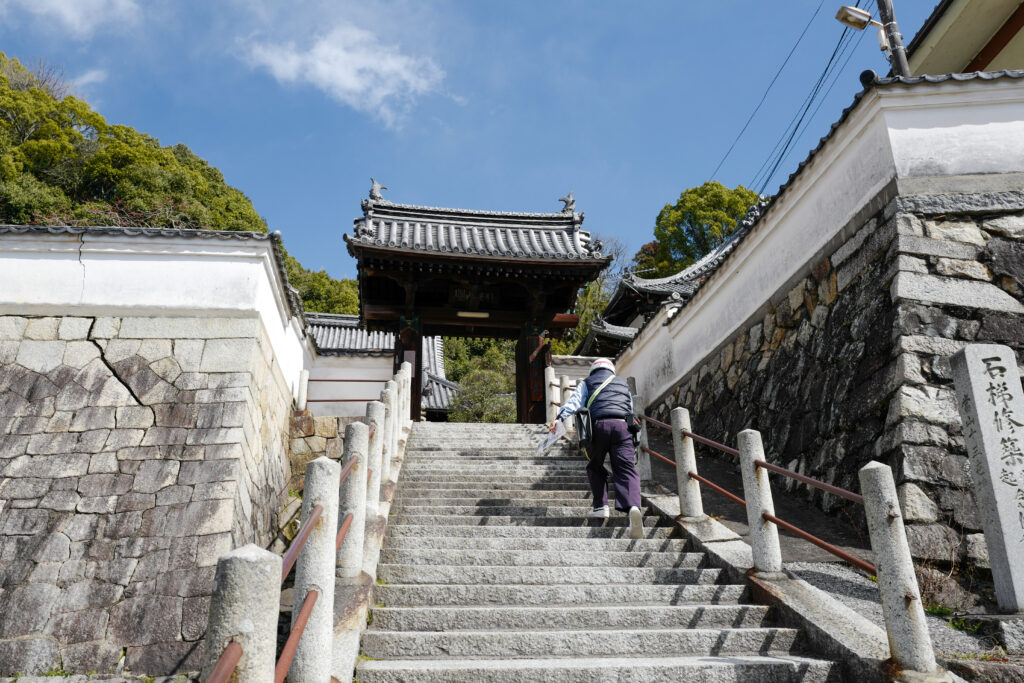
(484, 370)
(702, 219)
(61, 163)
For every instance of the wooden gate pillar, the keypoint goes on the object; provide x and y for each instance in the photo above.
(409, 347)
(533, 355)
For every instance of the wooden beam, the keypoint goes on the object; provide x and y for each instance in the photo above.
(448, 316)
(998, 42)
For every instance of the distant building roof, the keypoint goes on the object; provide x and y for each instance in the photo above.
(340, 335)
(605, 339)
(463, 233)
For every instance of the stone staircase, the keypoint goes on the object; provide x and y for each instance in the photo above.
(490, 571)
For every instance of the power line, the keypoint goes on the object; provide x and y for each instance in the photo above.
(764, 96)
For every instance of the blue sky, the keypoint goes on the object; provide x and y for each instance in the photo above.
(463, 103)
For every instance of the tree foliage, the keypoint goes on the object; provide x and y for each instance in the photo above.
(484, 370)
(61, 163)
(701, 219)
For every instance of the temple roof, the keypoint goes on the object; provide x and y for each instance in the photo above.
(605, 339)
(473, 234)
(341, 335)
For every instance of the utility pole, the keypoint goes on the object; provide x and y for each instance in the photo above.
(896, 52)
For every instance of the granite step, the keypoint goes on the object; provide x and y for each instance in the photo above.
(594, 643)
(493, 485)
(409, 595)
(548, 558)
(660, 669)
(496, 510)
(562, 545)
(466, 496)
(619, 531)
(575, 617)
(539, 575)
(516, 520)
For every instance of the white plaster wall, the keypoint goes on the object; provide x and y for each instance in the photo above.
(955, 128)
(152, 276)
(346, 368)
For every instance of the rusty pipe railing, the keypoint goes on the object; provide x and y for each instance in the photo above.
(696, 437)
(300, 540)
(342, 530)
(225, 666)
(378, 381)
(810, 481)
(717, 489)
(290, 645)
(828, 547)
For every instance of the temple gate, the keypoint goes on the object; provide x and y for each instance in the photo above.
(458, 273)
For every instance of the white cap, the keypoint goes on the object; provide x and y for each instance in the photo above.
(602, 363)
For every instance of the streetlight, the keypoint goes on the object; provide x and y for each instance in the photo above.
(889, 37)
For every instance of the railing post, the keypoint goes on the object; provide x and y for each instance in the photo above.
(384, 430)
(550, 392)
(690, 503)
(909, 640)
(353, 500)
(314, 570)
(565, 391)
(764, 535)
(406, 394)
(375, 420)
(303, 389)
(391, 391)
(643, 461)
(244, 608)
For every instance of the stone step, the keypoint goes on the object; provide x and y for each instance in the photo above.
(577, 499)
(487, 466)
(409, 595)
(402, 573)
(660, 669)
(506, 520)
(563, 545)
(467, 531)
(497, 510)
(439, 484)
(594, 643)
(571, 617)
(464, 496)
(546, 558)
(514, 481)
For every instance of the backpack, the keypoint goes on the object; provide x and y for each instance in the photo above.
(584, 423)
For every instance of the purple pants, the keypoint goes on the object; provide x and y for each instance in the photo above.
(611, 437)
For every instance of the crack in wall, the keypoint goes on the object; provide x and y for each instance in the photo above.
(81, 292)
(110, 367)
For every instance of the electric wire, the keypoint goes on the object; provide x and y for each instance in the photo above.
(790, 135)
(764, 95)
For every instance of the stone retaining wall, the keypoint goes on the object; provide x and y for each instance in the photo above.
(133, 452)
(851, 364)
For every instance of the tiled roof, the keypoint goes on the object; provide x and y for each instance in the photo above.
(340, 335)
(461, 233)
(749, 224)
(602, 328)
(291, 295)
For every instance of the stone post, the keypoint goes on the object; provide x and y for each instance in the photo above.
(393, 430)
(244, 609)
(314, 570)
(375, 419)
(303, 389)
(385, 428)
(550, 394)
(764, 535)
(564, 393)
(909, 641)
(992, 410)
(643, 458)
(690, 503)
(407, 393)
(353, 500)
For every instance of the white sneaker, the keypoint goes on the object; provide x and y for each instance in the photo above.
(636, 523)
(599, 513)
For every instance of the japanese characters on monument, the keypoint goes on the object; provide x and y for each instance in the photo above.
(991, 405)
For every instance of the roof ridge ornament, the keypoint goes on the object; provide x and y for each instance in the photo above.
(375, 189)
(570, 203)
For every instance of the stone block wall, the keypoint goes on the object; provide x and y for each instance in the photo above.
(851, 364)
(133, 452)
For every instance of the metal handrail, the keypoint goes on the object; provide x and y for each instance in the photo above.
(717, 489)
(339, 400)
(810, 481)
(348, 468)
(342, 530)
(810, 538)
(557, 405)
(300, 540)
(292, 644)
(696, 437)
(225, 666)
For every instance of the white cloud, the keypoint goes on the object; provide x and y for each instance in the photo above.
(90, 77)
(79, 17)
(354, 67)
